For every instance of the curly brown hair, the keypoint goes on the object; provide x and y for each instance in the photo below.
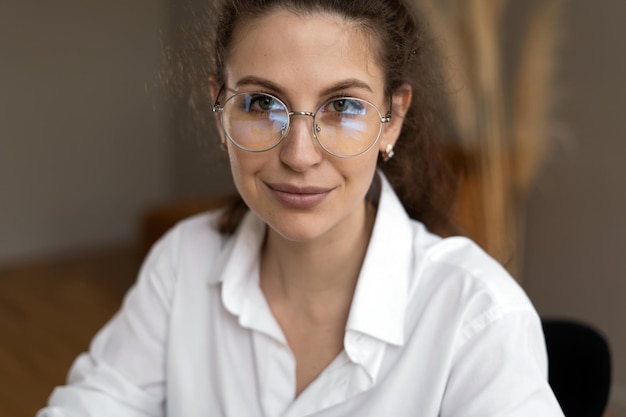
(419, 173)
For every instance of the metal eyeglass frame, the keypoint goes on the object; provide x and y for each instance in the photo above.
(218, 108)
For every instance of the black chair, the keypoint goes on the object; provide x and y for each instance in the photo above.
(579, 367)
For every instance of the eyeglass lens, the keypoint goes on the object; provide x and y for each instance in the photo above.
(343, 126)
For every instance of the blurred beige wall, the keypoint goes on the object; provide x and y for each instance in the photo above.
(575, 261)
(82, 148)
(200, 166)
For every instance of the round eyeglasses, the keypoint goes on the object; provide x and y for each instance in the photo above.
(343, 126)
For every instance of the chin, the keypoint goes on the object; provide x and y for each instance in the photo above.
(298, 228)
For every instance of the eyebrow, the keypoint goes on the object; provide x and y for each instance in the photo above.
(267, 84)
(341, 85)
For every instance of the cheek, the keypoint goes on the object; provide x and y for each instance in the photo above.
(238, 166)
(361, 170)
(243, 177)
(244, 166)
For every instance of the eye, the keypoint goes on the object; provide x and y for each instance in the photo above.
(262, 102)
(338, 105)
(346, 106)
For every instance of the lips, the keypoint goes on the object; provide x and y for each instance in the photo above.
(299, 197)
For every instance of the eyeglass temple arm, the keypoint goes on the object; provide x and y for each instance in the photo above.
(217, 107)
(387, 117)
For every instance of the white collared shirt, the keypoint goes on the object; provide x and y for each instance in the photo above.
(436, 328)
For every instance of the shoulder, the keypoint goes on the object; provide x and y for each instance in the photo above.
(201, 226)
(186, 250)
(467, 287)
(460, 262)
(198, 233)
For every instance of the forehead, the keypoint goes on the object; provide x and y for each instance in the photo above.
(298, 50)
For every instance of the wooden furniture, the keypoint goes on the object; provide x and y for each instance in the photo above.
(48, 314)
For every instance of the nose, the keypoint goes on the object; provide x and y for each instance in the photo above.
(300, 150)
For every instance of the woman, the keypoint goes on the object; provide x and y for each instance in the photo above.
(325, 298)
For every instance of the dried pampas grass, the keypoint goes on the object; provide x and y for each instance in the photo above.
(535, 93)
(504, 136)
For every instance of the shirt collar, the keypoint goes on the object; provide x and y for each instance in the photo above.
(379, 302)
(377, 314)
(238, 262)
(240, 252)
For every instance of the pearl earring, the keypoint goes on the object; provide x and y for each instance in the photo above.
(388, 153)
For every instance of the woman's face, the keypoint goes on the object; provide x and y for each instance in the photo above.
(302, 192)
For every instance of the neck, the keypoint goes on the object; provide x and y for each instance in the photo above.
(313, 273)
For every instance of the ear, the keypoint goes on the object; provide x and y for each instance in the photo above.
(214, 87)
(401, 101)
